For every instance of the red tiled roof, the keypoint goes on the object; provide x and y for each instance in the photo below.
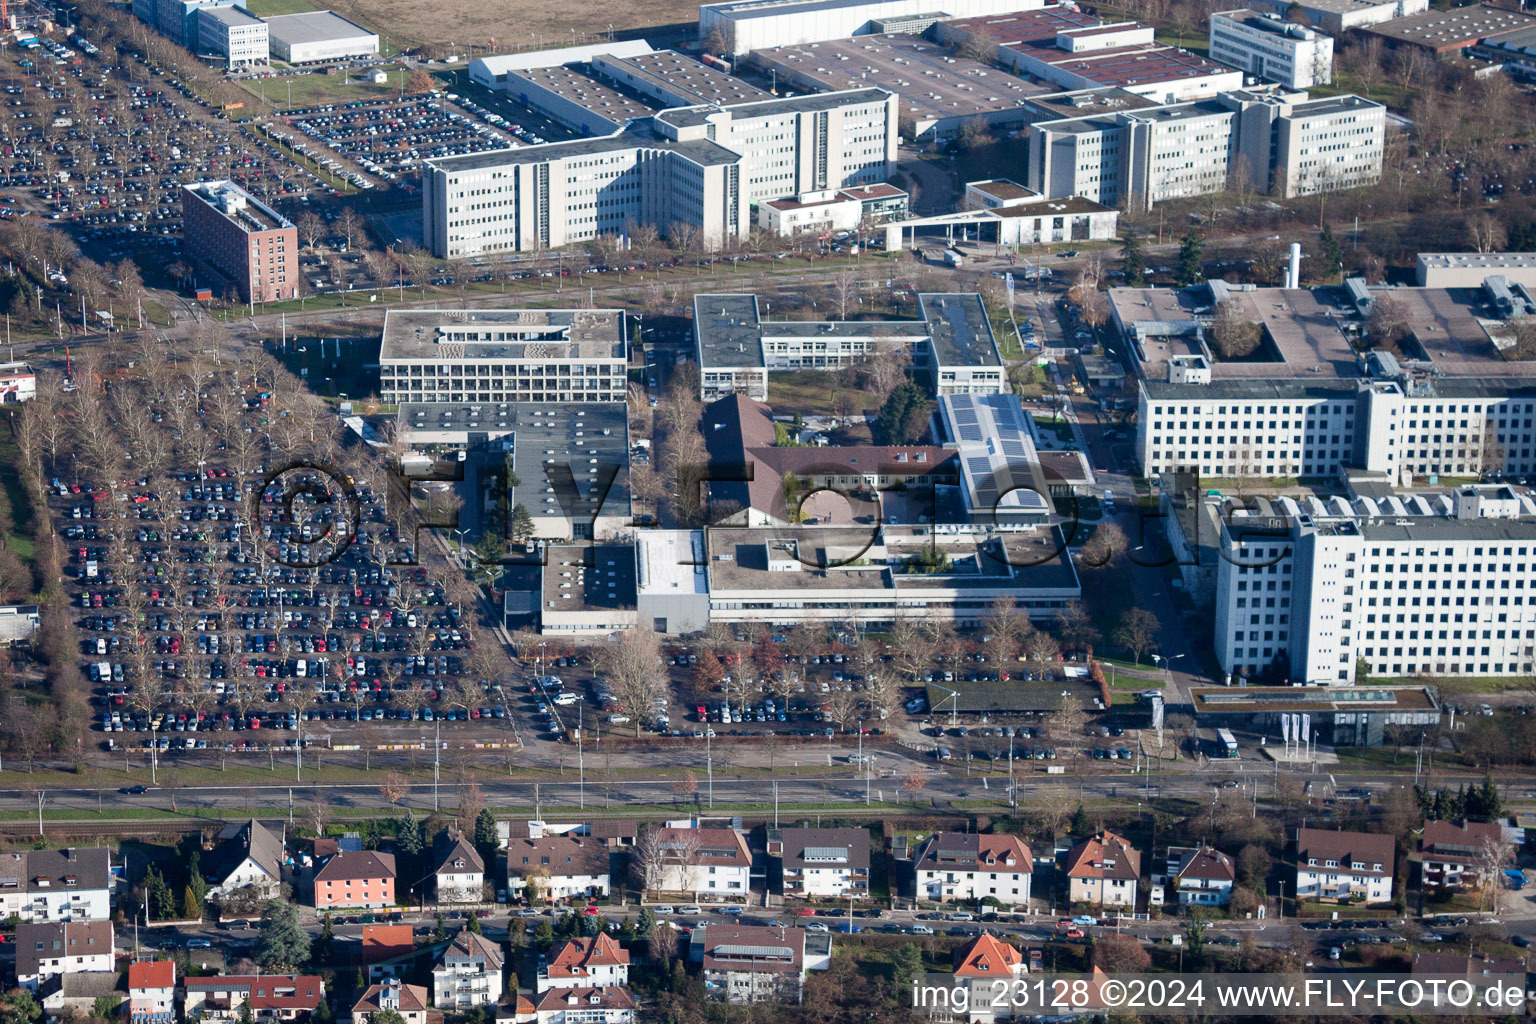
(1105, 855)
(578, 956)
(611, 997)
(386, 941)
(986, 957)
(152, 974)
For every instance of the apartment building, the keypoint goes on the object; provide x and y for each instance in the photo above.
(1103, 870)
(965, 867)
(409, 1001)
(152, 992)
(71, 884)
(459, 876)
(585, 1006)
(467, 973)
(556, 867)
(250, 246)
(1334, 866)
(711, 863)
(1310, 590)
(1279, 143)
(744, 964)
(228, 31)
(270, 997)
(50, 949)
(1452, 856)
(1201, 875)
(586, 963)
(361, 878)
(1272, 49)
(819, 863)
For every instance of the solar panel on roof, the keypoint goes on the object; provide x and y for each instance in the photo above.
(1014, 448)
(824, 854)
(763, 951)
(979, 465)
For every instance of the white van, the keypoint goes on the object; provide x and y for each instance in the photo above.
(301, 668)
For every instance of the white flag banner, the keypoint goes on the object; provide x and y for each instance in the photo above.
(1008, 284)
(1285, 727)
(1306, 727)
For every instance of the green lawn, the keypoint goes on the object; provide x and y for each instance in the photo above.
(268, 8)
(309, 90)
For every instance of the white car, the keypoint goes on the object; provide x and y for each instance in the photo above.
(663, 910)
(816, 926)
(921, 929)
(566, 699)
(691, 910)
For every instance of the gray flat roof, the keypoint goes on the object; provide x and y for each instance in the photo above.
(577, 83)
(684, 117)
(578, 577)
(1460, 25)
(961, 330)
(1491, 261)
(1253, 388)
(248, 212)
(313, 27)
(231, 15)
(700, 151)
(504, 334)
(727, 329)
(682, 72)
(743, 9)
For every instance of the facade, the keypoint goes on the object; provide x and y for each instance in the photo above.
(1271, 49)
(503, 355)
(228, 31)
(832, 210)
(586, 1006)
(1452, 856)
(1309, 591)
(1103, 871)
(409, 1001)
(468, 973)
(745, 25)
(1280, 143)
(313, 37)
(556, 868)
(1339, 867)
(152, 992)
(1201, 876)
(18, 383)
(745, 964)
(820, 863)
(236, 236)
(965, 867)
(586, 963)
(460, 873)
(176, 19)
(1339, 16)
(1471, 269)
(49, 950)
(984, 967)
(56, 885)
(1124, 55)
(248, 856)
(355, 879)
(272, 997)
(1343, 715)
(709, 863)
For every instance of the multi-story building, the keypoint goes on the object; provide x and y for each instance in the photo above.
(460, 873)
(18, 383)
(409, 1001)
(1339, 16)
(228, 31)
(229, 232)
(1103, 870)
(1275, 142)
(1201, 875)
(503, 355)
(270, 997)
(152, 992)
(362, 878)
(468, 973)
(704, 862)
(586, 963)
(966, 867)
(586, 1006)
(1125, 55)
(48, 950)
(745, 964)
(177, 19)
(72, 884)
(819, 863)
(1313, 590)
(829, 211)
(555, 867)
(249, 856)
(1272, 49)
(1338, 867)
(983, 967)
(1452, 856)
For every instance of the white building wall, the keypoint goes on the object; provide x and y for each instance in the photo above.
(802, 24)
(1008, 887)
(1290, 55)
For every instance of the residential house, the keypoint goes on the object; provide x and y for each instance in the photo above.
(77, 994)
(587, 1006)
(271, 997)
(596, 962)
(460, 873)
(361, 878)
(1450, 854)
(384, 948)
(557, 868)
(152, 992)
(981, 966)
(708, 863)
(752, 964)
(1334, 866)
(72, 884)
(1201, 875)
(519, 1011)
(965, 866)
(1103, 870)
(819, 863)
(47, 950)
(1481, 970)
(409, 1001)
(468, 974)
(249, 856)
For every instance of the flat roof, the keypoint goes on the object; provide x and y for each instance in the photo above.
(701, 151)
(1043, 23)
(1001, 188)
(1449, 326)
(932, 82)
(773, 106)
(1346, 6)
(1104, 99)
(740, 10)
(231, 15)
(1251, 388)
(238, 206)
(1460, 26)
(670, 563)
(502, 63)
(960, 328)
(726, 327)
(463, 335)
(1137, 64)
(580, 577)
(681, 72)
(1049, 207)
(1490, 261)
(577, 83)
(1252, 699)
(1270, 23)
(314, 27)
(1302, 329)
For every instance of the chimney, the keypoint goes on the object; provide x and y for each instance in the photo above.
(1293, 272)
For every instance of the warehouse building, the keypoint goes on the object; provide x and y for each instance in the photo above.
(742, 26)
(1124, 54)
(490, 72)
(1448, 32)
(1471, 269)
(1339, 16)
(231, 233)
(313, 37)
(229, 32)
(1271, 49)
(1341, 716)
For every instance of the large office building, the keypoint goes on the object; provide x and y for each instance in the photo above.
(1339, 16)
(742, 26)
(174, 19)
(314, 37)
(233, 234)
(700, 166)
(951, 345)
(1282, 143)
(230, 32)
(1309, 591)
(503, 355)
(1272, 49)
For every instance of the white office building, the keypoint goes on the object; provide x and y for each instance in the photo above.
(747, 25)
(229, 32)
(1310, 590)
(1272, 49)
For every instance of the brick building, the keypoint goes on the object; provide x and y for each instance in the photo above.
(231, 234)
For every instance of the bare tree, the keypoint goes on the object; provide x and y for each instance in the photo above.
(633, 667)
(1136, 632)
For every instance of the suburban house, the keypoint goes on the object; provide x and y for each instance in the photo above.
(1334, 866)
(77, 994)
(72, 884)
(409, 1001)
(46, 950)
(468, 974)
(557, 867)
(152, 992)
(360, 878)
(460, 873)
(705, 862)
(1103, 870)
(1201, 875)
(596, 962)
(586, 1006)
(383, 949)
(980, 966)
(753, 964)
(969, 867)
(818, 863)
(1480, 969)
(271, 997)
(248, 856)
(1449, 853)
